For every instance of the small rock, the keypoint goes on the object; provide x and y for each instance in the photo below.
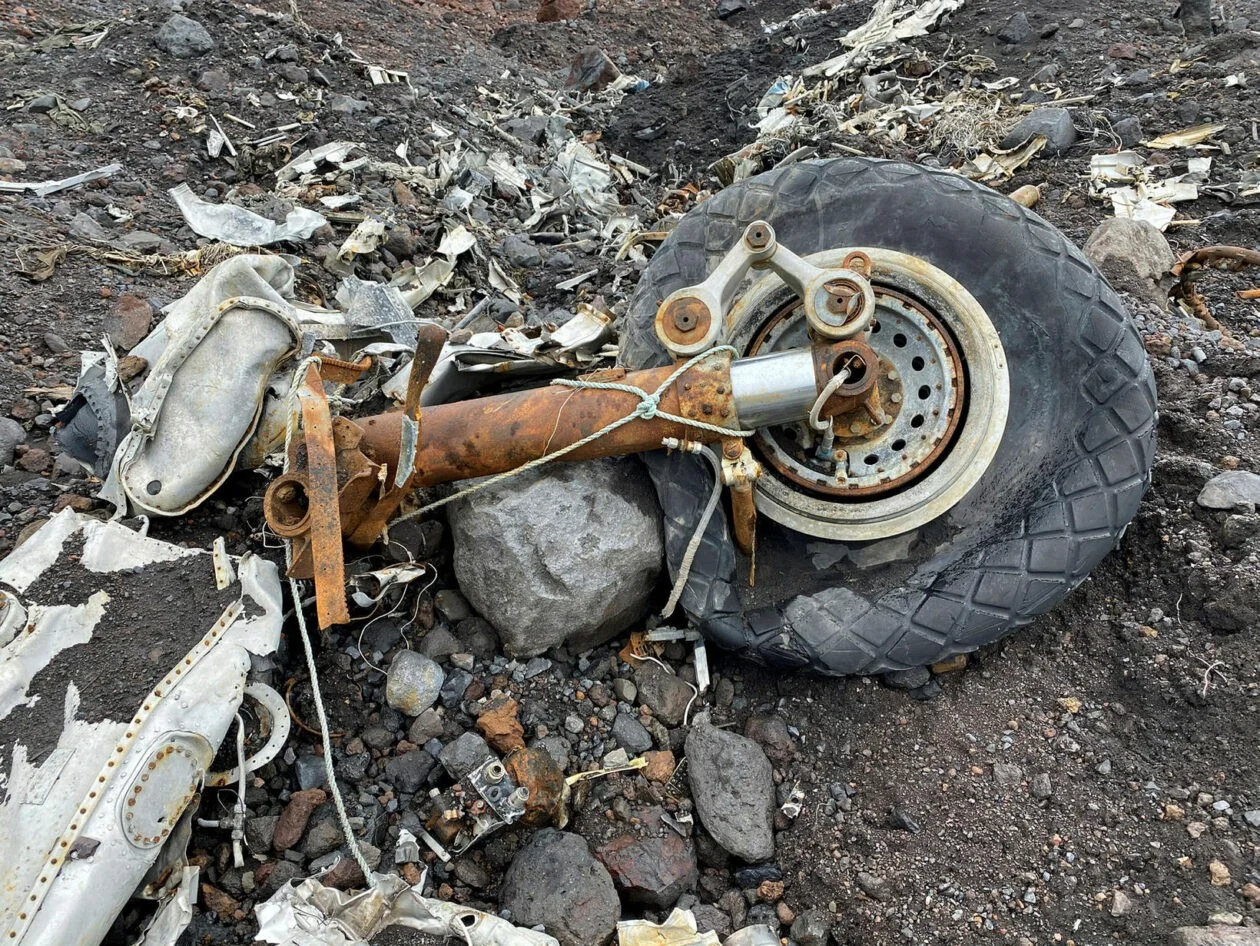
(452, 605)
(213, 80)
(183, 38)
(311, 772)
(321, 837)
(660, 766)
(812, 928)
(1129, 130)
(463, 755)
(291, 824)
(1121, 905)
(1215, 936)
(630, 735)
(625, 690)
(1219, 874)
(128, 321)
(556, 883)
(874, 887)
(408, 772)
(278, 873)
(1007, 775)
(748, 877)
(439, 643)
(259, 833)
(1134, 256)
(456, 685)
(1054, 124)
(552, 11)
(216, 901)
(500, 725)
(664, 693)
(1040, 788)
(35, 460)
(426, 726)
(909, 679)
(1195, 17)
(12, 434)
(520, 252)
(1230, 489)
(725, 9)
(653, 870)
(413, 683)
(1015, 30)
(591, 71)
(346, 105)
(771, 733)
(732, 784)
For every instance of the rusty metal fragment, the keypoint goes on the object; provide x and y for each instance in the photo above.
(1192, 264)
(327, 563)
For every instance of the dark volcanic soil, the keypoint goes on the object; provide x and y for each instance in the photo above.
(1070, 785)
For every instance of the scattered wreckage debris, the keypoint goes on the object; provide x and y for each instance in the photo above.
(310, 914)
(523, 350)
(1192, 265)
(46, 188)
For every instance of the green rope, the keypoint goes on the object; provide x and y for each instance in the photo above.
(648, 408)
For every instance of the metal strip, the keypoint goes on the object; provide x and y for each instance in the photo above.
(325, 514)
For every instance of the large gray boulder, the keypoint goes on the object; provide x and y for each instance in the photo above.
(1230, 489)
(183, 38)
(568, 554)
(732, 785)
(1134, 256)
(556, 883)
(1053, 124)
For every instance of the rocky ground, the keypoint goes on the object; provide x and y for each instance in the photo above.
(1094, 779)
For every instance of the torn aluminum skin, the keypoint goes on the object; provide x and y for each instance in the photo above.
(310, 914)
(679, 929)
(112, 705)
(240, 227)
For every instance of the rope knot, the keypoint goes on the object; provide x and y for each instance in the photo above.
(647, 406)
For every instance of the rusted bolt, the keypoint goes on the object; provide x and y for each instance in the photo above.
(844, 298)
(758, 236)
(684, 320)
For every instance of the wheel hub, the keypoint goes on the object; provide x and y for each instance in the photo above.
(921, 438)
(906, 422)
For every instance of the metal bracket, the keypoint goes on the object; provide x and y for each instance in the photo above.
(839, 302)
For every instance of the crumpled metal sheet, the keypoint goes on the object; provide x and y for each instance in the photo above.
(73, 797)
(309, 914)
(241, 227)
(679, 929)
(890, 22)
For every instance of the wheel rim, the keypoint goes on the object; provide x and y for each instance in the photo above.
(944, 396)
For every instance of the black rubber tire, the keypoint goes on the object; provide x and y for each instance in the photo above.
(1072, 467)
